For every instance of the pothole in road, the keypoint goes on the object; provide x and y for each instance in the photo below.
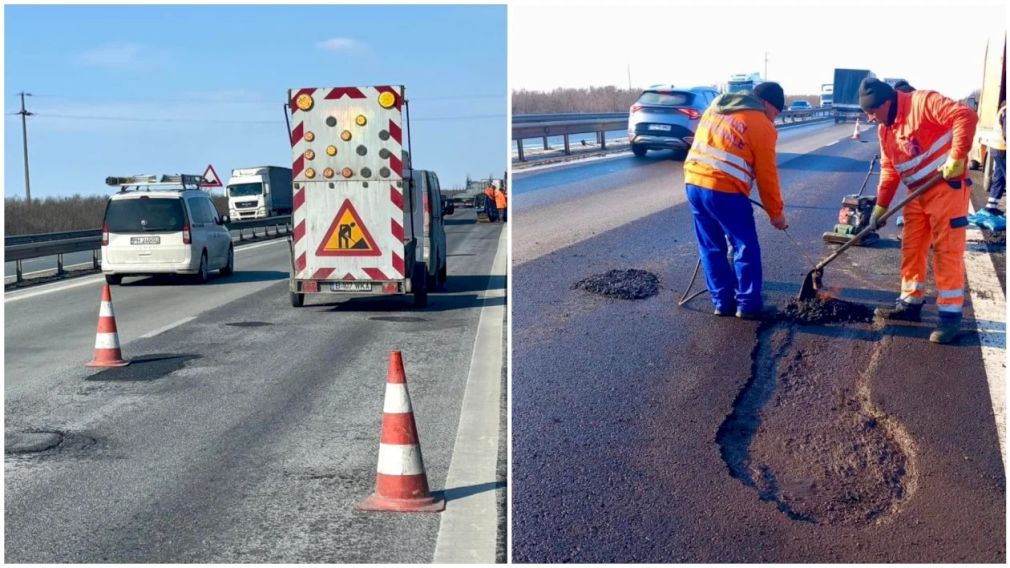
(44, 442)
(630, 284)
(146, 368)
(820, 311)
(249, 324)
(805, 435)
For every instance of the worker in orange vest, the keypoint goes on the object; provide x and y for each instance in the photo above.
(734, 149)
(922, 133)
(489, 203)
(501, 202)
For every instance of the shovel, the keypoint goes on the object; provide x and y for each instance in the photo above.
(812, 283)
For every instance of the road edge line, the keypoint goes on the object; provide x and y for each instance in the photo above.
(468, 530)
(990, 324)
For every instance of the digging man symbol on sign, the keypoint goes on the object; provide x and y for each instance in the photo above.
(348, 236)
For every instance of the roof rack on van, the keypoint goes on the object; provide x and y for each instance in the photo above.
(187, 181)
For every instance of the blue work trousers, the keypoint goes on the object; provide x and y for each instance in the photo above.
(718, 217)
(997, 184)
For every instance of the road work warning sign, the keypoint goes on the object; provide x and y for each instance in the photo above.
(348, 236)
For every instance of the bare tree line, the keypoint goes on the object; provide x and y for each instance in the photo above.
(593, 99)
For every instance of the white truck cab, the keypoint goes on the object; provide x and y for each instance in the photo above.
(263, 191)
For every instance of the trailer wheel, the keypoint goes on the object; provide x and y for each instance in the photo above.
(443, 274)
(419, 284)
(297, 300)
(114, 279)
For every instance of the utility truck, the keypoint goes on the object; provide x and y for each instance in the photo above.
(258, 192)
(992, 95)
(365, 221)
(845, 103)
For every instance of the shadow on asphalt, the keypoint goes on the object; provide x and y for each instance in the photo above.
(468, 490)
(237, 277)
(145, 368)
(436, 303)
(474, 282)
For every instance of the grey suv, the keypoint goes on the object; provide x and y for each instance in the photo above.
(665, 117)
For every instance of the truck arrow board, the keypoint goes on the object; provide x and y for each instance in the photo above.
(213, 180)
(348, 236)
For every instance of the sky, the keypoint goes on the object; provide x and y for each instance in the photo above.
(121, 90)
(934, 45)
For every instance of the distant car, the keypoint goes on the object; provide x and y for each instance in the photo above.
(163, 231)
(666, 118)
(799, 105)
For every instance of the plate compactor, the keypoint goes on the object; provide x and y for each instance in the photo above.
(854, 216)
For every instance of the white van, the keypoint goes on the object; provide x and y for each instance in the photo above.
(152, 227)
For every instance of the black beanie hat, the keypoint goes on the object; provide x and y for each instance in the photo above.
(771, 93)
(873, 93)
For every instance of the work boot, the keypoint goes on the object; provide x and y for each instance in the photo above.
(946, 331)
(902, 311)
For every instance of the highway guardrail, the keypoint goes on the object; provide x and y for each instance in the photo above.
(25, 247)
(544, 126)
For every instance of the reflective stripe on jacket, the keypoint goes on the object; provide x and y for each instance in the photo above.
(927, 128)
(731, 152)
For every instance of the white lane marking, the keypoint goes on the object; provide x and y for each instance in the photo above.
(161, 330)
(988, 300)
(468, 530)
(14, 296)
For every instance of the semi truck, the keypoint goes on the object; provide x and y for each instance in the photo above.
(845, 94)
(992, 95)
(742, 82)
(365, 221)
(827, 95)
(257, 192)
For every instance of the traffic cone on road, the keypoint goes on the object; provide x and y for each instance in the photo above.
(107, 352)
(401, 483)
(855, 130)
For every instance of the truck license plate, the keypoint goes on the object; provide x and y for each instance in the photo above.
(350, 286)
(145, 240)
(663, 127)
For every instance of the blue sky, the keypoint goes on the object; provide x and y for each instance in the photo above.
(120, 90)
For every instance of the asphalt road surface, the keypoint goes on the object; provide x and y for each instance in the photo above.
(645, 432)
(244, 430)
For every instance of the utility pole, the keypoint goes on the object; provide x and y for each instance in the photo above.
(766, 67)
(629, 76)
(24, 138)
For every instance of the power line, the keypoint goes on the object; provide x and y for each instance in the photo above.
(235, 121)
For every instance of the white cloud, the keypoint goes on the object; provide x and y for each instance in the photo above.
(342, 45)
(122, 56)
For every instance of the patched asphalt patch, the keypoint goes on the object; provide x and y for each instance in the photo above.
(825, 310)
(249, 324)
(40, 442)
(630, 284)
(804, 432)
(145, 368)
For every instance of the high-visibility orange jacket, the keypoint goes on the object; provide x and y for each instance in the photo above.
(500, 201)
(489, 191)
(927, 128)
(733, 148)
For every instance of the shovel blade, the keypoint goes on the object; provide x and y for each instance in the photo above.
(811, 284)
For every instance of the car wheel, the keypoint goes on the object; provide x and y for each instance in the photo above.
(419, 284)
(229, 269)
(638, 150)
(203, 274)
(114, 279)
(297, 300)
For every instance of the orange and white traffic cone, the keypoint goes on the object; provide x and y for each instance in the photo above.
(401, 483)
(107, 352)
(855, 130)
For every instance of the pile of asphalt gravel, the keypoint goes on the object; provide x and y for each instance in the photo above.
(821, 311)
(631, 284)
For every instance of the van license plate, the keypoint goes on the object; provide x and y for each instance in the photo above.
(145, 240)
(663, 127)
(350, 286)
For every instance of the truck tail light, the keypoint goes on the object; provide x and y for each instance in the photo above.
(186, 237)
(105, 234)
(690, 112)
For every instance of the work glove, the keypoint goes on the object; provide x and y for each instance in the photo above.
(952, 168)
(878, 212)
(780, 222)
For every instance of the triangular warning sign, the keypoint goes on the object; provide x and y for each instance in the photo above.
(211, 177)
(348, 236)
